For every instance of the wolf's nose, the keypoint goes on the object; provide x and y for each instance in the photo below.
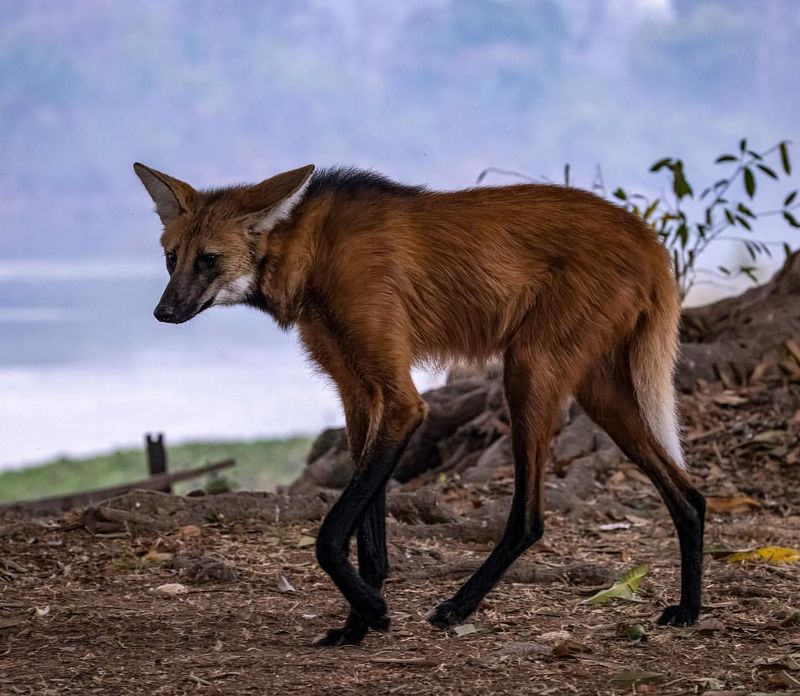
(164, 312)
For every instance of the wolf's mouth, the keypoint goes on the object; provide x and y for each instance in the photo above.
(180, 318)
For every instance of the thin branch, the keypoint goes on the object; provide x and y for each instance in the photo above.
(713, 283)
(503, 172)
(744, 239)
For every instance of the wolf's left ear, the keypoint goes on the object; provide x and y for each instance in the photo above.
(273, 200)
(172, 197)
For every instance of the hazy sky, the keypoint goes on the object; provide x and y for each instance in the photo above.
(429, 91)
(221, 91)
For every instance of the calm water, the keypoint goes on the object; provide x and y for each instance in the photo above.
(85, 367)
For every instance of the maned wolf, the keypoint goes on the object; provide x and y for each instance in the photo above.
(575, 294)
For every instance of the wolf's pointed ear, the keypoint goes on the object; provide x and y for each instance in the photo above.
(273, 200)
(171, 196)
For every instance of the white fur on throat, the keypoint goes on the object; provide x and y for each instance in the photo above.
(235, 292)
(280, 212)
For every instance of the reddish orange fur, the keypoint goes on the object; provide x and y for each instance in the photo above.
(392, 281)
(576, 294)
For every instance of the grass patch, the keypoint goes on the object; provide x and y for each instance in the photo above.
(260, 465)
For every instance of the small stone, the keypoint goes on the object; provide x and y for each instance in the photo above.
(171, 588)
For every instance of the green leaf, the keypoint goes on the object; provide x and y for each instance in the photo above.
(743, 145)
(789, 199)
(744, 210)
(743, 222)
(683, 234)
(791, 219)
(787, 249)
(634, 632)
(787, 167)
(650, 209)
(729, 216)
(661, 164)
(723, 270)
(725, 158)
(680, 185)
(769, 172)
(620, 193)
(625, 588)
(749, 182)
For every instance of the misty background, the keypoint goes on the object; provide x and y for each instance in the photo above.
(218, 92)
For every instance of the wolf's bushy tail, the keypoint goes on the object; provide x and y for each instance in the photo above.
(654, 352)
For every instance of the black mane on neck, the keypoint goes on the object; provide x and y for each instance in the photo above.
(351, 181)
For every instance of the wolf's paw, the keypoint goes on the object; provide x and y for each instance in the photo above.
(678, 615)
(378, 620)
(373, 613)
(350, 634)
(447, 614)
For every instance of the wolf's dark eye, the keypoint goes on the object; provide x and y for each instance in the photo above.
(207, 260)
(172, 259)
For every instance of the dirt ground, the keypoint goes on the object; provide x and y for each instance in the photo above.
(80, 612)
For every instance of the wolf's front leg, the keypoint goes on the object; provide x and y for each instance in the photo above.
(359, 506)
(383, 409)
(373, 566)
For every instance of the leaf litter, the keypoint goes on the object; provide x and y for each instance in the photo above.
(625, 588)
(107, 632)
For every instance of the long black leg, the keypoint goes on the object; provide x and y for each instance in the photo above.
(373, 559)
(524, 527)
(361, 494)
(533, 408)
(609, 398)
(373, 567)
(687, 509)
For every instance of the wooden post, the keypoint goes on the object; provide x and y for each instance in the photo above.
(100, 495)
(157, 458)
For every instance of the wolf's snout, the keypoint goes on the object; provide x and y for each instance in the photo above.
(164, 312)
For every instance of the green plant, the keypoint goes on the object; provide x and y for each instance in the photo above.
(688, 226)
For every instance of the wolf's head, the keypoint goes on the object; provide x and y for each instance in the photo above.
(213, 240)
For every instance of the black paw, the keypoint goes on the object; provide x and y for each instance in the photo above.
(374, 614)
(349, 634)
(447, 614)
(678, 615)
(377, 621)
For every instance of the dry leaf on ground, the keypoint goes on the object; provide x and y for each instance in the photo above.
(767, 554)
(731, 503)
